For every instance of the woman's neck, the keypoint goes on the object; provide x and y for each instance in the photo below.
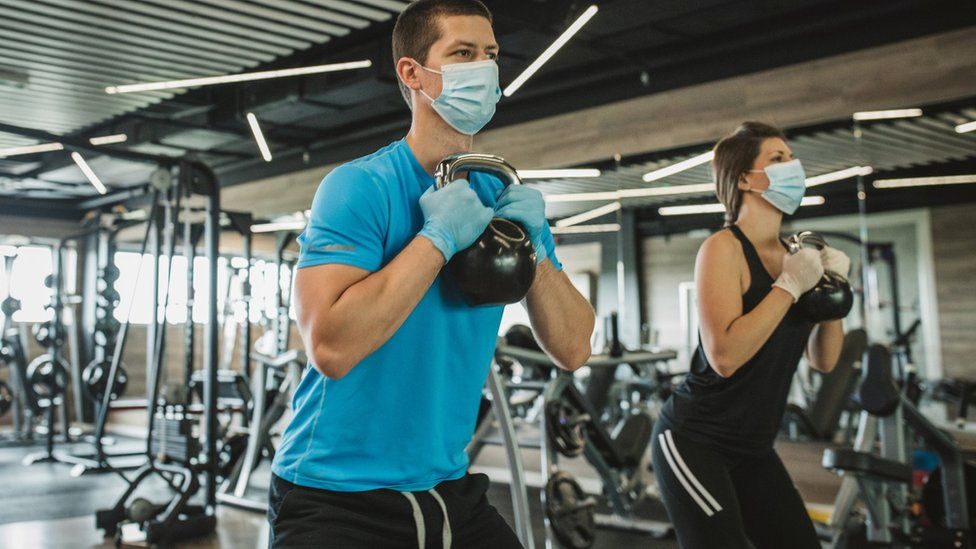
(761, 223)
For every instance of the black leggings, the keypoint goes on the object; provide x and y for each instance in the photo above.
(380, 519)
(727, 500)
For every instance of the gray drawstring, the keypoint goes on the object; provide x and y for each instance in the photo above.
(418, 519)
(446, 531)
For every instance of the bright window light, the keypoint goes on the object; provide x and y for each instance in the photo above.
(230, 78)
(551, 50)
(26, 282)
(676, 190)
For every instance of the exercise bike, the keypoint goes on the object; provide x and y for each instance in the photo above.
(897, 515)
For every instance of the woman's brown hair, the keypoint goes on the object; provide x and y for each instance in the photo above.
(734, 155)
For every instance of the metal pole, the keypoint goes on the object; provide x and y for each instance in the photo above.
(211, 237)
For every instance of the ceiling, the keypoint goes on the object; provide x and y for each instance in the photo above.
(59, 55)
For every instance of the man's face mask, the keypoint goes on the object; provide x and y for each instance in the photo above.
(468, 96)
(787, 185)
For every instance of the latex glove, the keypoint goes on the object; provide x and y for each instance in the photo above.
(801, 272)
(835, 261)
(454, 217)
(526, 207)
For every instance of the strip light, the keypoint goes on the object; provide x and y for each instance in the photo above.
(86, 169)
(885, 115)
(259, 136)
(632, 193)
(967, 127)
(559, 174)
(31, 149)
(229, 78)
(719, 208)
(839, 175)
(924, 181)
(583, 229)
(586, 216)
(109, 139)
(679, 167)
(551, 50)
(278, 226)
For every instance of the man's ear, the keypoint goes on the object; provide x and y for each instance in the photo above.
(406, 70)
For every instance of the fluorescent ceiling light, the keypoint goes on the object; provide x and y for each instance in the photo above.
(278, 226)
(839, 175)
(551, 50)
(632, 193)
(108, 139)
(557, 174)
(245, 77)
(86, 169)
(719, 208)
(31, 149)
(924, 181)
(884, 115)
(259, 137)
(582, 229)
(679, 167)
(967, 127)
(586, 216)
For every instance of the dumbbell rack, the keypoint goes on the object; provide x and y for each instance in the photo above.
(13, 357)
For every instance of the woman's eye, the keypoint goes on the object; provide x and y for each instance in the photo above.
(463, 53)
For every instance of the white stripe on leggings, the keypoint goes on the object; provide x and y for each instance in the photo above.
(687, 471)
(677, 473)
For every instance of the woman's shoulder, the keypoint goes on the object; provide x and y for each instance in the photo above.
(720, 243)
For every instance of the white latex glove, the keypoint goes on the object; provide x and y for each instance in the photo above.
(835, 261)
(801, 272)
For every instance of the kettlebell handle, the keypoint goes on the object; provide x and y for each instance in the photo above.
(448, 168)
(804, 239)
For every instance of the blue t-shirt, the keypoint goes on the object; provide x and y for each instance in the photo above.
(402, 417)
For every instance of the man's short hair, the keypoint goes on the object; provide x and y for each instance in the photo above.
(418, 27)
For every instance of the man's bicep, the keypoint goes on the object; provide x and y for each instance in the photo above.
(317, 289)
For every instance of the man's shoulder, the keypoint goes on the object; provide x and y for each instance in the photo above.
(375, 167)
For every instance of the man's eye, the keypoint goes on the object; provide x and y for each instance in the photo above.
(493, 56)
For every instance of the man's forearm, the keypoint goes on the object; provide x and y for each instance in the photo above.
(561, 318)
(374, 308)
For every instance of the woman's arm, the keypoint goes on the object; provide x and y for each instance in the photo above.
(730, 338)
(824, 345)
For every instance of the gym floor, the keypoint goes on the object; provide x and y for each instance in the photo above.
(43, 507)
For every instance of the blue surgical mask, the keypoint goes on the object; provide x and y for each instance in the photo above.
(468, 94)
(787, 184)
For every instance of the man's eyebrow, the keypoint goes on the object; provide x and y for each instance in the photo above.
(473, 45)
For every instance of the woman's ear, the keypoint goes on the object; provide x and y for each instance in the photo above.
(743, 183)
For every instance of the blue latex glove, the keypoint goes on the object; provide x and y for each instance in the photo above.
(526, 207)
(454, 217)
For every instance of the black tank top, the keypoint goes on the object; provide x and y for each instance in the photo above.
(743, 412)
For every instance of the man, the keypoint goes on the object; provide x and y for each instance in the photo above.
(375, 455)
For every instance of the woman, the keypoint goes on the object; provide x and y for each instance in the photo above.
(720, 479)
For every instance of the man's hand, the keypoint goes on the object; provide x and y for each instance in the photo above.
(454, 217)
(526, 207)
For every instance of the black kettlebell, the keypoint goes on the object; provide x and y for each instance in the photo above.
(832, 297)
(499, 267)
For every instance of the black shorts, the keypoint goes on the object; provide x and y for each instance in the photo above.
(310, 517)
(720, 499)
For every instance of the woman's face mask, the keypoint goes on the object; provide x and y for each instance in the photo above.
(787, 185)
(469, 93)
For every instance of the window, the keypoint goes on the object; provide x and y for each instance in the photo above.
(26, 281)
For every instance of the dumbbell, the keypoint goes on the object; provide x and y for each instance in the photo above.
(47, 334)
(110, 274)
(106, 329)
(141, 510)
(108, 299)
